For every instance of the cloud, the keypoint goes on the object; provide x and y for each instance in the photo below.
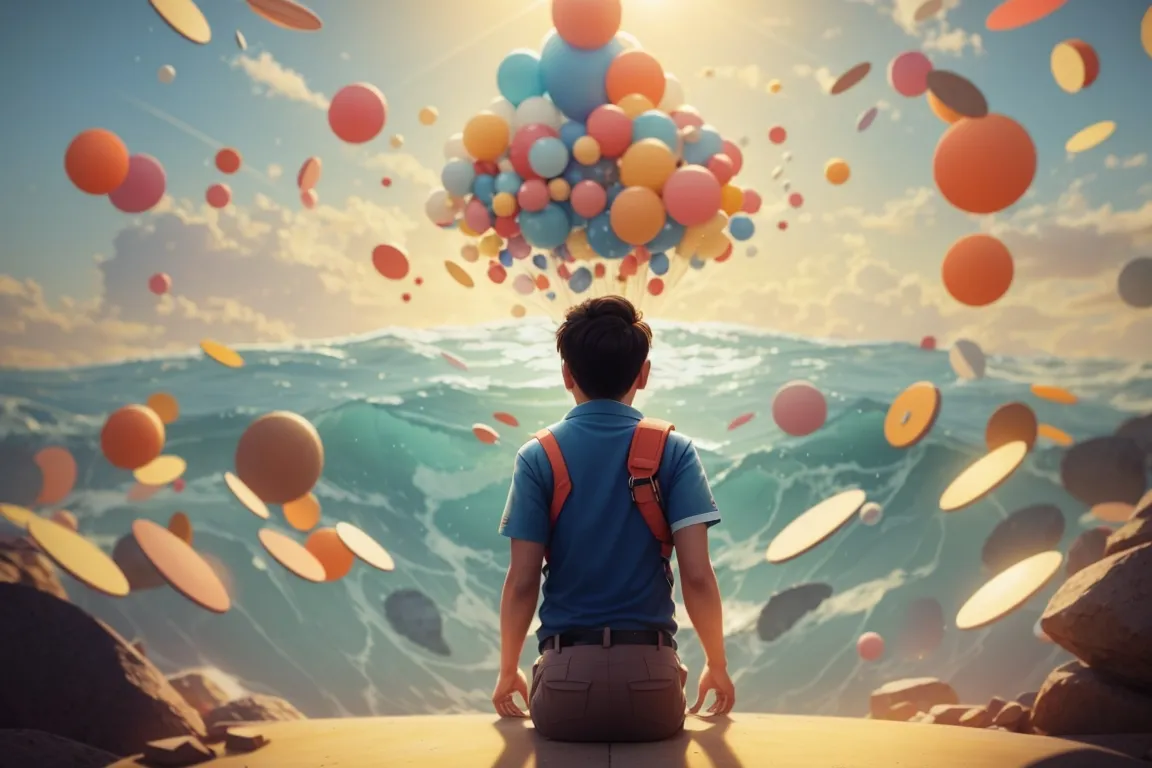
(822, 75)
(897, 216)
(749, 76)
(952, 40)
(832, 33)
(278, 80)
(405, 166)
(936, 34)
(275, 171)
(1135, 161)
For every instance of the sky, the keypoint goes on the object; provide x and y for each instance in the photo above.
(858, 262)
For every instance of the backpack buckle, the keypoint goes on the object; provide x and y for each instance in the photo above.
(640, 482)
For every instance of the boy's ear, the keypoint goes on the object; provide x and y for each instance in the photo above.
(569, 382)
(642, 379)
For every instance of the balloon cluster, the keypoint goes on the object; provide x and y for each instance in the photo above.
(589, 152)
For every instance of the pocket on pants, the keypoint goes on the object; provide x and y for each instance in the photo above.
(660, 698)
(558, 698)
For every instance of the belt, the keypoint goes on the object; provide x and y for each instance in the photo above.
(607, 638)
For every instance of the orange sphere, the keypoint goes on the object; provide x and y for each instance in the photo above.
(984, 164)
(326, 546)
(637, 215)
(635, 71)
(228, 160)
(96, 161)
(280, 457)
(132, 436)
(977, 270)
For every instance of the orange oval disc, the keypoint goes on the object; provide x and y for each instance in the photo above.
(1058, 436)
(181, 566)
(180, 525)
(292, 555)
(1054, 394)
(912, 415)
(983, 476)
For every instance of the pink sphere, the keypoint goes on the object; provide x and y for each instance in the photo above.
(178, 484)
(357, 113)
(143, 187)
(687, 117)
(692, 195)
(795, 199)
(782, 226)
(519, 247)
(735, 155)
(533, 195)
(722, 168)
(159, 283)
(908, 73)
(752, 201)
(611, 128)
(589, 198)
(476, 216)
(777, 135)
(218, 195)
(928, 343)
(522, 144)
(799, 408)
(870, 646)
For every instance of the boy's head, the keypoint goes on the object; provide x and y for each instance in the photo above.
(604, 344)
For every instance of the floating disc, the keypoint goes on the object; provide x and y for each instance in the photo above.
(1013, 14)
(226, 356)
(241, 42)
(292, 555)
(1075, 65)
(180, 525)
(814, 526)
(1011, 422)
(185, 17)
(80, 558)
(741, 420)
(927, 10)
(850, 78)
(180, 565)
(1008, 590)
(458, 274)
(309, 175)
(912, 414)
(287, 14)
(18, 516)
(1054, 394)
(245, 496)
(161, 471)
(365, 547)
(1090, 137)
(454, 361)
(1113, 511)
(1058, 436)
(984, 476)
(957, 93)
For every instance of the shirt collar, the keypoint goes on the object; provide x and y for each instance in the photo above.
(604, 407)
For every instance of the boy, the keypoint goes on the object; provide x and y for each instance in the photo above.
(630, 490)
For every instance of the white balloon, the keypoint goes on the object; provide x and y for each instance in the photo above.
(673, 94)
(454, 148)
(504, 109)
(752, 251)
(505, 164)
(871, 513)
(438, 208)
(787, 157)
(628, 40)
(166, 74)
(537, 109)
(787, 185)
(967, 359)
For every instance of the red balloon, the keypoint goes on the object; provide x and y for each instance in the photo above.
(357, 113)
(419, 281)
(928, 342)
(497, 273)
(507, 226)
(228, 160)
(143, 188)
(777, 135)
(522, 143)
(406, 297)
(159, 283)
(390, 261)
(655, 286)
(600, 270)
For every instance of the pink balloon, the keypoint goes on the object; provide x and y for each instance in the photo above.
(799, 408)
(928, 342)
(611, 128)
(588, 198)
(752, 201)
(795, 199)
(143, 187)
(777, 135)
(692, 195)
(735, 155)
(782, 226)
(159, 283)
(309, 199)
(218, 195)
(507, 226)
(870, 646)
(476, 216)
(908, 73)
(519, 247)
(533, 195)
(687, 117)
(357, 113)
(521, 145)
(722, 168)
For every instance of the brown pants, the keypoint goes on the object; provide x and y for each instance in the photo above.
(620, 693)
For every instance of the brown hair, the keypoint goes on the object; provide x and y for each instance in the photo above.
(605, 342)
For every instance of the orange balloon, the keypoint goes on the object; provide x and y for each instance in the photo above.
(635, 71)
(942, 110)
(132, 437)
(977, 270)
(326, 546)
(637, 215)
(586, 24)
(96, 161)
(228, 160)
(280, 457)
(984, 164)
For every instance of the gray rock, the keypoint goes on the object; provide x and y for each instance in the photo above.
(923, 692)
(1132, 534)
(254, 708)
(1078, 700)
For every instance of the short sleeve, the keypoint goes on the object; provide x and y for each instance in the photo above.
(530, 497)
(687, 496)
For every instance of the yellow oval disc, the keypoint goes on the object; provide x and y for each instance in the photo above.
(185, 17)
(1008, 590)
(18, 516)
(984, 476)
(365, 547)
(82, 559)
(226, 356)
(161, 471)
(1090, 137)
(458, 274)
(815, 525)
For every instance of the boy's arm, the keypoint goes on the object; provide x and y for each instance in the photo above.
(525, 521)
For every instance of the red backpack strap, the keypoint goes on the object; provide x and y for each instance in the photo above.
(643, 463)
(561, 482)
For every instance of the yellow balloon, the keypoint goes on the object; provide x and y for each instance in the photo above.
(491, 244)
(647, 163)
(837, 171)
(559, 190)
(577, 243)
(428, 115)
(695, 237)
(731, 199)
(635, 104)
(486, 136)
(714, 245)
(467, 230)
(504, 204)
(586, 150)
(774, 86)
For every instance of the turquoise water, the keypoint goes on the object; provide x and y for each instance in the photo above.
(402, 463)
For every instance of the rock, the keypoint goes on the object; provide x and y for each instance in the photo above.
(254, 708)
(35, 748)
(199, 691)
(1009, 716)
(177, 751)
(995, 704)
(949, 714)
(1134, 533)
(68, 674)
(923, 692)
(901, 711)
(244, 740)
(921, 717)
(977, 717)
(22, 563)
(1078, 700)
(219, 730)
(1101, 616)
(1088, 548)
(1027, 699)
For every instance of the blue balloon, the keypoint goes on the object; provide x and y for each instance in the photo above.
(581, 280)
(654, 124)
(670, 236)
(708, 143)
(541, 261)
(548, 157)
(457, 177)
(613, 193)
(508, 181)
(741, 228)
(519, 76)
(604, 241)
(659, 263)
(551, 295)
(560, 252)
(696, 262)
(547, 228)
(484, 187)
(506, 257)
(571, 131)
(575, 78)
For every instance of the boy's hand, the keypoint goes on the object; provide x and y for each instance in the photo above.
(507, 684)
(715, 680)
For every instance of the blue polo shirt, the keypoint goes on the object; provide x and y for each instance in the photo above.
(604, 564)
